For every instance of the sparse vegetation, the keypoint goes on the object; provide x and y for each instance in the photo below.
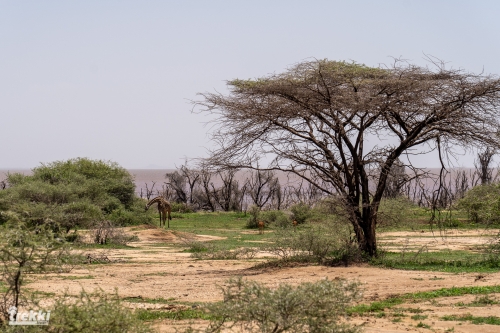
(22, 252)
(309, 307)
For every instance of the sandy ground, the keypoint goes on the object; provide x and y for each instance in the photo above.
(155, 269)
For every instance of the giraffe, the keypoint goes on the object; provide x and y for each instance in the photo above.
(163, 208)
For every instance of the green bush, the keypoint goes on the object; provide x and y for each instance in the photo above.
(180, 207)
(276, 217)
(300, 212)
(310, 307)
(253, 220)
(89, 313)
(327, 243)
(395, 212)
(74, 194)
(482, 204)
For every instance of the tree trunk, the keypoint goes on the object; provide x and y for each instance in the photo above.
(364, 228)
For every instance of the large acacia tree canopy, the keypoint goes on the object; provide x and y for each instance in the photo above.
(317, 118)
(318, 115)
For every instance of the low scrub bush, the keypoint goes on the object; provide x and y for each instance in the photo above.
(300, 212)
(482, 204)
(88, 312)
(394, 212)
(309, 307)
(325, 243)
(105, 232)
(181, 207)
(276, 217)
(253, 219)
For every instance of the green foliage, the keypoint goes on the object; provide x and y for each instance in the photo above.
(394, 212)
(180, 207)
(253, 220)
(89, 313)
(275, 217)
(25, 251)
(326, 243)
(300, 212)
(215, 251)
(73, 194)
(309, 307)
(482, 204)
(183, 314)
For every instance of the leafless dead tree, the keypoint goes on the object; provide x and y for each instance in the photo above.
(177, 182)
(314, 120)
(229, 195)
(262, 187)
(192, 178)
(149, 191)
(483, 165)
(203, 194)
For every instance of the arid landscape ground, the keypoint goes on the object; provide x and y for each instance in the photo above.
(156, 268)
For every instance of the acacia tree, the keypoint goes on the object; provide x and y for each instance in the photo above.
(319, 119)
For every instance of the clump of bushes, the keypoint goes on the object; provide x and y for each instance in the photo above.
(253, 219)
(309, 307)
(277, 218)
(325, 243)
(395, 212)
(89, 312)
(482, 204)
(300, 212)
(73, 194)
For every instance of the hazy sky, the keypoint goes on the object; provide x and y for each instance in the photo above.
(112, 80)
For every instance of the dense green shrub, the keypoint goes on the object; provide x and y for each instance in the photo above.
(395, 212)
(482, 204)
(309, 307)
(181, 207)
(276, 217)
(253, 219)
(74, 194)
(300, 212)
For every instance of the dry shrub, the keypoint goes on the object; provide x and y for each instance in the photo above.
(250, 306)
(105, 232)
(324, 243)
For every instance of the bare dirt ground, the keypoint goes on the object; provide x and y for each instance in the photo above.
(156, 268)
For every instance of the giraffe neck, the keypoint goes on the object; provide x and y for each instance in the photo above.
(159, 200)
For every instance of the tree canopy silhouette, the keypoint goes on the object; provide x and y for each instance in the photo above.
(342, 126)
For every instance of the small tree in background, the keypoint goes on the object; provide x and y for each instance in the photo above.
(483, 165)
